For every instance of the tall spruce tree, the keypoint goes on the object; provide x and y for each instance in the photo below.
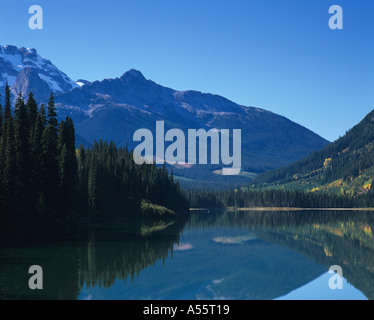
(1, 118)
(67, 165)
(5, 118)
(9, 161)
(52, 115)
(1, 162)
(92, 184)
(43, 115)
(32, 108)
(23, 164)
(49, 170)
(36, 159)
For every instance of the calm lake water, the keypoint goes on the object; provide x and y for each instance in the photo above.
(210, 255)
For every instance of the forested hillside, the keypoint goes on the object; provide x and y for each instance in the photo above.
(345, 167)
(111, 184)
(47, 186)
(339, 176)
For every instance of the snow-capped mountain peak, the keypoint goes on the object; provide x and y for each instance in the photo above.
(45, 75)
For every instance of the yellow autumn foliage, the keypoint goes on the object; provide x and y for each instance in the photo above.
(328, 253)
(368, 232)
(327, 162)
(367, 185)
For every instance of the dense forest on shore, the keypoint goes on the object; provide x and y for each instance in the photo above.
(246, 198)
(47, 185)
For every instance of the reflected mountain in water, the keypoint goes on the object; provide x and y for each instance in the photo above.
(326, 237)
(215, 255)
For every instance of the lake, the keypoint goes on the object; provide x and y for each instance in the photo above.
(244, 255)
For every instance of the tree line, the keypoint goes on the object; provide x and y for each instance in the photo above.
(47, 185)
(111, 184)
(246, 198)
(38, 170)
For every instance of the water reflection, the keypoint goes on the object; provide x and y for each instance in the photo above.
(108, 252)
(212, 255)
(326, 237)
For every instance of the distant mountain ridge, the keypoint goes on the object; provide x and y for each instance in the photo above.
(346, 166)
(113, 109)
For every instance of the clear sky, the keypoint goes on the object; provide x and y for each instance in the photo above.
(279, 55)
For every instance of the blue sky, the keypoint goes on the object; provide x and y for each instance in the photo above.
(276, 55)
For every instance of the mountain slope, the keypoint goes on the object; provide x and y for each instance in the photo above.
(25, 70)
(114, 109)
(345, 166)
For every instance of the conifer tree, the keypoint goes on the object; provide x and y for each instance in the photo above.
(32, 108)
(1, 163)
(36, 159)
(1, 118)
(52, 115)
(9, 157)
(92, 185)
(49, 168)
(43, 115)
(67, 164)
(23, 165)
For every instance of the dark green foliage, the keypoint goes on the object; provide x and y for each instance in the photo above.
(36, 158)
(22, 151)
(275, 198)
(1, 155)
(49, 170)
(46, 185)
(8, 159)
(67, 165)
(52, 115)
(35, 172)
(1, 116)
(114, 185)
(32, 109)
(43, 115)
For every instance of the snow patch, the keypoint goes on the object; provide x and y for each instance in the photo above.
(53, 85)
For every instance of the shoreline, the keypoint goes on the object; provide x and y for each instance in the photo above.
(282, 209)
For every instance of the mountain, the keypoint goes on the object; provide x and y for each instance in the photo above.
(343, 167)
(25, 70)
(114, 109)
